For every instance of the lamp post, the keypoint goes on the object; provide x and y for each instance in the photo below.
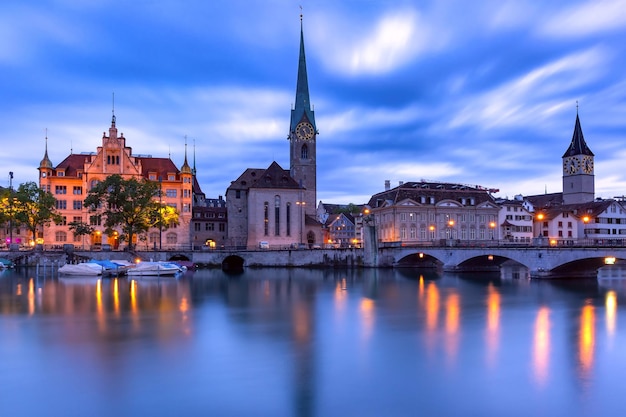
(160, 212)
(10, 209)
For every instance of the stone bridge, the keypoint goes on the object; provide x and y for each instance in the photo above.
(540, 261)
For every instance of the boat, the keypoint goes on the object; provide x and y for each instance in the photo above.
(82, 269)
(156, 268)
(113, 268)
(6, 263)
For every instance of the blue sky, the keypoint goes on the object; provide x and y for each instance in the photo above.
(472, 92)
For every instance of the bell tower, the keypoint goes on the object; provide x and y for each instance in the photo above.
(303, 136)
(578, 171)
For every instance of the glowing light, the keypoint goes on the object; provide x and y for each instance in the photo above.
(493, 322)
(611, 312)
(609, 260)
(587, 336)
(541, 346)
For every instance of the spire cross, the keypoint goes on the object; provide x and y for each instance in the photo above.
(576, 106)
(300, 13)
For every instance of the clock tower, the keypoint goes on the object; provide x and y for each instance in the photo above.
(578, 173)
(302, 137)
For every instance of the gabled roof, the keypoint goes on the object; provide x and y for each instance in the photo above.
(162, 166)
(545, 200)
(272, 177)
(71, 164)
(578, 146)
(439, 191)
(276, 177)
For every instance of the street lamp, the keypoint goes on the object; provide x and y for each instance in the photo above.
(10, 209)
(160, 212)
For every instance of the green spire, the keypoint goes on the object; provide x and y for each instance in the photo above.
(303, 104)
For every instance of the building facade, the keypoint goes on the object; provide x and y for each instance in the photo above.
(71, 180)
(433, 213)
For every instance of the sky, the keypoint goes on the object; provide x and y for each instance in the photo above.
(480, 93)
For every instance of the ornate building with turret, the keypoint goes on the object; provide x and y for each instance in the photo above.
(71, 180)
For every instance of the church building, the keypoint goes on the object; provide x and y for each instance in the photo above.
(71, 180)
(275, 207)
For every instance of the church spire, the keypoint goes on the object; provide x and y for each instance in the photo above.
(578, 146)
(303, 104)
(45, 162)
(185, 169)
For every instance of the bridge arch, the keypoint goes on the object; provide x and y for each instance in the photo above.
(233, 264)
(419, 260)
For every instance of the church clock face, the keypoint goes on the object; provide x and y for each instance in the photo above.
(587, 165)
(570, 166)
(304, 131)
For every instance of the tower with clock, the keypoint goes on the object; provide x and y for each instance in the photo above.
(302, 137)
(578, 172)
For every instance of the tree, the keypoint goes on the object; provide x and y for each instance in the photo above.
(32, 207)
(80, 229)
(126, 203)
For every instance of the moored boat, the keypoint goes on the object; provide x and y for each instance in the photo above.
(82, 269)
(157, 268)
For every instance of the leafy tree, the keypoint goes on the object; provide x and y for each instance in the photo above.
(80, 228)
(31, 207)
(127, 203)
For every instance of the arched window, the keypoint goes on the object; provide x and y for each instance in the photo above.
(60, 236)
(288, 220)
(266, 218)
(277, 215)
(304, 152)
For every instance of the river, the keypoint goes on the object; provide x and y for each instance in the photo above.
(299, 342)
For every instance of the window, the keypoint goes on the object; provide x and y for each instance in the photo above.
(222, 227)
(277, 215)
(64, 221)
(95, 220)
(60, 189)
(171, 177)
(61, 205)
(304, 152)
(170, 193)
(60, 236)
(210, 227)
(186, 193)
(237, 193)
(196, 226)
(78, 204)
(266, 220)
(288, 219)
(171, 238)
(77, 190)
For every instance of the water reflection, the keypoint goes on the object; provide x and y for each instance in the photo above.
(541, 345)
(310, 342)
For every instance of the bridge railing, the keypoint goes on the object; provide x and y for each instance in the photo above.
(535, 242)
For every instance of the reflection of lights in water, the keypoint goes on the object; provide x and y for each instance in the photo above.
(266, 289)
(18, 289)
(133, 297)
(493, 322)
(432, 306)
(301, 322)
(453, 313)
(367, 316)
(541, 346)
(420, 287)
(184, 309)
(611, 310)
(586, 342)
(100, 306)
(340, 296)
(31, 296)
(116, 297)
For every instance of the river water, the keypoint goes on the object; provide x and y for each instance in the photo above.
(297, 342)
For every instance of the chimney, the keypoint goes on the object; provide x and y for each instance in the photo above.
(400, 183)
(387, 185)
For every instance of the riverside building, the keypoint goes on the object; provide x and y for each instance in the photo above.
(71, 180)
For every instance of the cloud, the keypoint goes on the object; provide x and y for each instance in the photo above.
(392, 41)
(537, 94)
(586, 19)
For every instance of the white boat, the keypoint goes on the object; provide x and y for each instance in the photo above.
(82, 269)
(155, 269)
